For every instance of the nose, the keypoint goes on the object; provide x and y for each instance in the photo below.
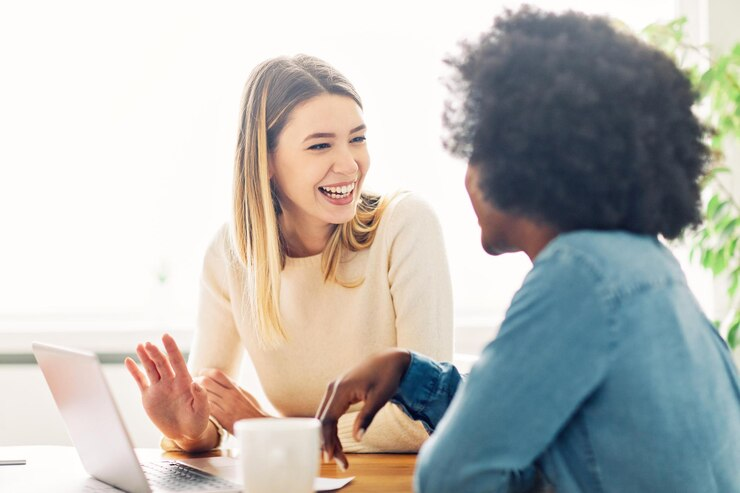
(345, 162)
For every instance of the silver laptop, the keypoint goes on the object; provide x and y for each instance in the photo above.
(82, 395)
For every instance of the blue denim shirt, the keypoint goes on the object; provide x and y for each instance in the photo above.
(605, 377)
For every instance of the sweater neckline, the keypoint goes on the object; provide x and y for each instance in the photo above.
(310, 260)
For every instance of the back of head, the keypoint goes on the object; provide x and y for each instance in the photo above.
(578, 125)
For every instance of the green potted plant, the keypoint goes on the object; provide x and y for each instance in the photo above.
(716, 244)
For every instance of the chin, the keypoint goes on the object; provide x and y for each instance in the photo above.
(492, 250)
(341, 218)
(495, 249)
(345, 215)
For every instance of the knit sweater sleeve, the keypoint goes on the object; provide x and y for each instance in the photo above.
(216, 343)
(419, 279)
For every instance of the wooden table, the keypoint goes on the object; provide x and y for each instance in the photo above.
(58, 470)
(376, 472)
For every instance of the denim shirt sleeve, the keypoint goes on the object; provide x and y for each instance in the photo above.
(551, 353)
(427, 389)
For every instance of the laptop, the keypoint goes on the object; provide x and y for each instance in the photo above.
(81, 393)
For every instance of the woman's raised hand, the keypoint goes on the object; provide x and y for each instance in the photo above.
(229, 402)
(176, 404)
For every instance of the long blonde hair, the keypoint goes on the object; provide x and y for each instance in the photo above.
(273, 90)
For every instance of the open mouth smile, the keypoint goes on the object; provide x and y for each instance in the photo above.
(337, 193)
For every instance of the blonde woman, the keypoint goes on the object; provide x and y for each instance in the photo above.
(312, 276)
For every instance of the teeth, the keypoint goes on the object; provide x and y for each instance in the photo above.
(343, 190)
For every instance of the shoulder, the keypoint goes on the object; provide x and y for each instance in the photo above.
(620, 258)
(220, 253)
(409, 224)
(408, 204)
(577, 252)
(598, 244)
(220, 241)
(406, 209)
(568, 286)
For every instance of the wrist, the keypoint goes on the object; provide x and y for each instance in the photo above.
(209, 439)
(403, 360)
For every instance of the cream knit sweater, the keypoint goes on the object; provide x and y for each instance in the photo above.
(404, 301)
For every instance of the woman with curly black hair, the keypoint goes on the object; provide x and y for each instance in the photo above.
(605, 376)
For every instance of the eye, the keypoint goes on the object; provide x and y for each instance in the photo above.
(359, 140)
(319, 147)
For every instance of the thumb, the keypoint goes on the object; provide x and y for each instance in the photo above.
(196, 388)
(199, 393)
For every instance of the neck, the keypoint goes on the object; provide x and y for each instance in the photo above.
(304, 238)
(534, 237)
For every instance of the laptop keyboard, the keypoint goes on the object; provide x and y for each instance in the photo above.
(176, 476)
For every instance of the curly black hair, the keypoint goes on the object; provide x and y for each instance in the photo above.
(577, 125)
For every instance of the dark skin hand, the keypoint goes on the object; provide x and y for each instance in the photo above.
(374, 382)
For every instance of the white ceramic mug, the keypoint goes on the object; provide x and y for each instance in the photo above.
(278, 455)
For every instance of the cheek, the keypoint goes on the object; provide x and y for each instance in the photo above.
(477, 203)
(488, 226)
(363, 163)
(295, 185)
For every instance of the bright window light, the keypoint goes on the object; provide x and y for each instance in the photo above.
(118, 124)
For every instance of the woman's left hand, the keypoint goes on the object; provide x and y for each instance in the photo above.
(229, 402)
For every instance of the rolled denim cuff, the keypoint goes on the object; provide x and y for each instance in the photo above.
(427, 389)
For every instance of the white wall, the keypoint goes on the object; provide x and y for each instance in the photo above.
(119, 123)
(121, 118)
(28, 415)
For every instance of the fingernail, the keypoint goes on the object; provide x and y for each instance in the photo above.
(340, 464)
(360, 434)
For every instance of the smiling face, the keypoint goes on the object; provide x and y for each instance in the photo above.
(320, 161)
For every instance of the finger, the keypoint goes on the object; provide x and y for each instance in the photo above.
(215, 398)
(227, 421)
(337, 402)
(373, 404)
(163, 364)
(200, 397)
(339, 456)
(329, 395)
(212, 387)
(149, 366)
(333, 448)
(218, 377)
(328, 440)
(176, 359)
(249, 397)
(328, 426)
(324, 401)
(139, 377)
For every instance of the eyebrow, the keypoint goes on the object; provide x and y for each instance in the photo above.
(325, 135)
